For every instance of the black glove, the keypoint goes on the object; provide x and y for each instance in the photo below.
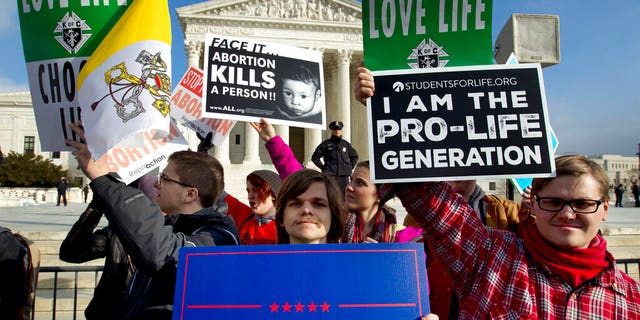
(205, 142)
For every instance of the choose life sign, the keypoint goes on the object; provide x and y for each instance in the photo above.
(58, 37)
(459, 123)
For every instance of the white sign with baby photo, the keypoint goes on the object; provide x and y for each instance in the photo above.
(247, 80)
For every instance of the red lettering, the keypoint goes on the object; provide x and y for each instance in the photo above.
(176, 98)
(120, 157)
(192, 81)
(110, 164)
(133, 154)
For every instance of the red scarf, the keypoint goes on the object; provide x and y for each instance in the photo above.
(575, 265)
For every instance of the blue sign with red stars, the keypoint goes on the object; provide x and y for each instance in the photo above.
(290, 282)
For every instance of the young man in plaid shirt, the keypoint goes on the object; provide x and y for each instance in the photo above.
(558, 268)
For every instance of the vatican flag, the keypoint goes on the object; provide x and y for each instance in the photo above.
(125, 85)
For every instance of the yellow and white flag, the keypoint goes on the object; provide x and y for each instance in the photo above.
(125, 86)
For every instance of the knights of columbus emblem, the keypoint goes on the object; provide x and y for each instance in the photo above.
(125, 88)
(427, 56)
(70, 32)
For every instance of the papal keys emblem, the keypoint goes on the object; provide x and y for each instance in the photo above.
(125, 88)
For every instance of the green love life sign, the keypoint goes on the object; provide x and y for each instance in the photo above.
(402, 34)
(58, 37)
(60, 29)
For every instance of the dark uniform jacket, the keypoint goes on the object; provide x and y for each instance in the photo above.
(339, 156)
(152, 243)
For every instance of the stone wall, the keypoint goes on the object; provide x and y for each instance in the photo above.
(18, 197)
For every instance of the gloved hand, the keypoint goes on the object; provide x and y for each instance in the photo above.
(205, 142)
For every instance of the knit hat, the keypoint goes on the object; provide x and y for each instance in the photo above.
(271, 178)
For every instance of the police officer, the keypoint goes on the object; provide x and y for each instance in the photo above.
(338, 156)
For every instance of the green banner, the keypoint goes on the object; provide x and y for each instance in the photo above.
(58, 37)
(61, 29)
(403, 34)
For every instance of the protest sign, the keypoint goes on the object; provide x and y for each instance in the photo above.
(328, 281)
(523, 183)
(459, 123)
(187, 108)
(402, 34)
(132, 163)
(58, 37)
(247, 80)
(125, 86)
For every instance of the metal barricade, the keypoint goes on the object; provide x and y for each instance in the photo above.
(56, 270)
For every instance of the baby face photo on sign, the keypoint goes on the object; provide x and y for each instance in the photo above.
(247, 80)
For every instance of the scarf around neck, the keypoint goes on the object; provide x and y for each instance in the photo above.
(575, 265)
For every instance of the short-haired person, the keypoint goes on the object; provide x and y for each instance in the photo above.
(560, 268)
(188, 187)
(300, 95)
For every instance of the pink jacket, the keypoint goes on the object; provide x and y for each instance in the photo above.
(282, 157)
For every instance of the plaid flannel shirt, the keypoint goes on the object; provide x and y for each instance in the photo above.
(494, 277)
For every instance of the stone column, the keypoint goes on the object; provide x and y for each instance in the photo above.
(344, 91)
(251, 143)
(283, 132)
(313, 137)
(194, 51)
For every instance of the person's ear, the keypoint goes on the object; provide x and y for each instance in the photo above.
(318, 94)
(192, 195)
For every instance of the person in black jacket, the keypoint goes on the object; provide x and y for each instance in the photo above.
(61, 186)
(84, 243)
(339, 156)
(188, 188)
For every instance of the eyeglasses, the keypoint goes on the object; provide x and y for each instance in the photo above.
(578, 205)
(162, 177)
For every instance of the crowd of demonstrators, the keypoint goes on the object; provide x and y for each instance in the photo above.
(256, 222)
(188, 188)
(335, 156)
(553, 266)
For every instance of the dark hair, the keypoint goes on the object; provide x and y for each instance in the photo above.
(295, 185)
(575, 165)
(303, 74)
(366, 164)
(202, 171)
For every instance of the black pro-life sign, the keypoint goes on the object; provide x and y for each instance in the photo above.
(459, 123)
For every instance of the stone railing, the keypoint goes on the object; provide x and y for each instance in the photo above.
(18, 197)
